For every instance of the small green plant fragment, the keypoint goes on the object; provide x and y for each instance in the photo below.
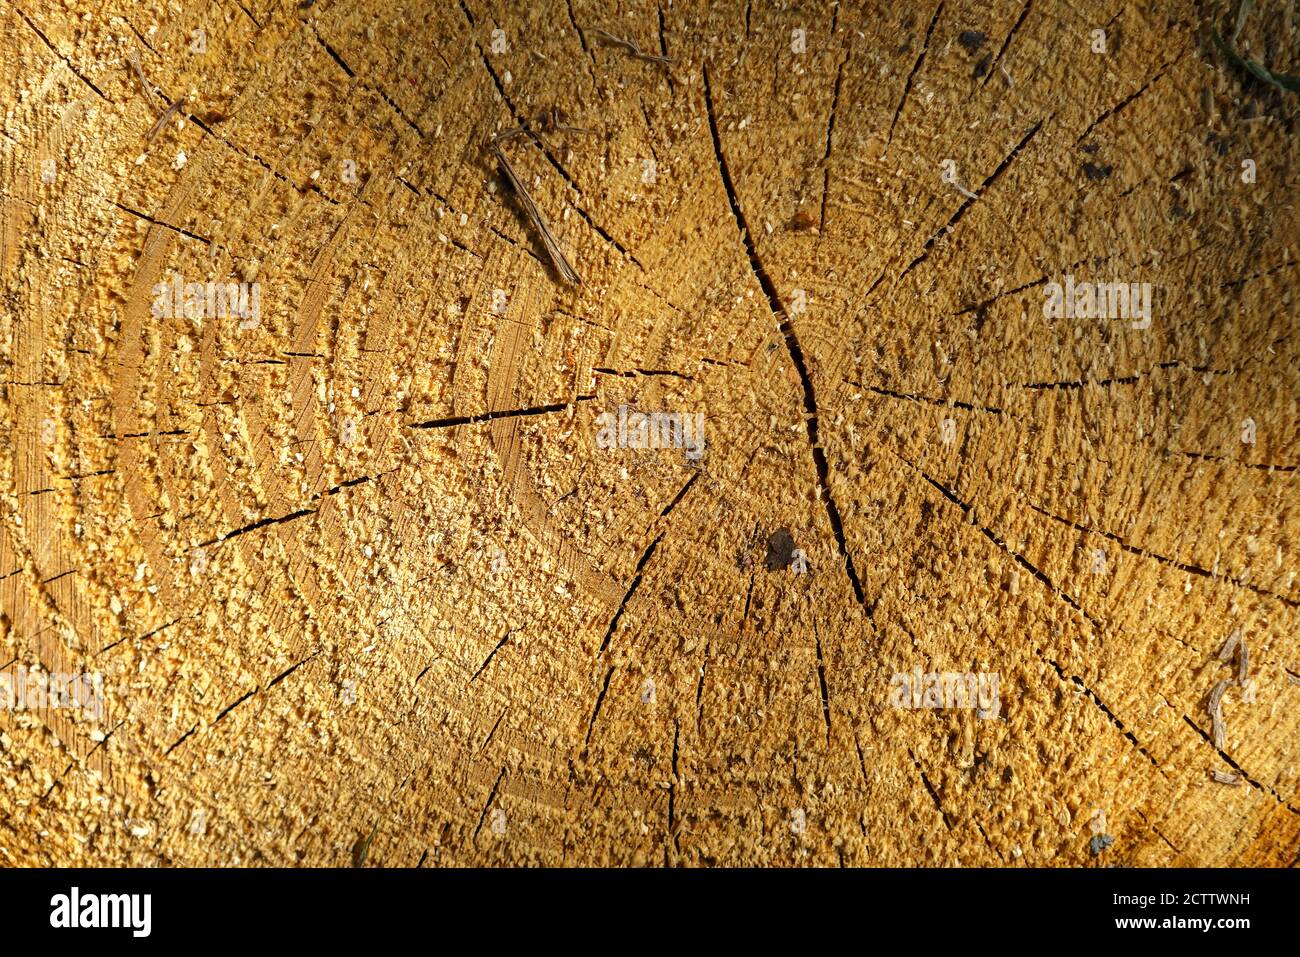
(1283, 81)
(362, 848)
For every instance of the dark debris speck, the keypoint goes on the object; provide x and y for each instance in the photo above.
(780, 550)
(1220, 144)
(972, 40)
(1099, 843)
(1096, 172)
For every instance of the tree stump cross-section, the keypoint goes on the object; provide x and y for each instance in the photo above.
(908, 478)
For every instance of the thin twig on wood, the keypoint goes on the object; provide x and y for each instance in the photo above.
(133, 60)
(167, 114)
(554, 120)
(1215, 710)
(631, 47)
(530, 207)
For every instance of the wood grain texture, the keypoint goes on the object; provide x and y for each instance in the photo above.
(358, 576)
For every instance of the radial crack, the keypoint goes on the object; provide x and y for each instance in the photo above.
(792, 346)
(907, 87)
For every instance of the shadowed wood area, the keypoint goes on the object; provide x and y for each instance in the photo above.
(319, 470)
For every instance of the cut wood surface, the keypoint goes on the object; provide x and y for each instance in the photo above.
(365, 586)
